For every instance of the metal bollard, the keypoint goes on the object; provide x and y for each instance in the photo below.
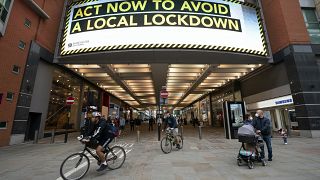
(115, 140)
(200, 132)
(159, 131)
(52, 136)
(138, 136)
(36, 136)
(66, 137)
(182, 132)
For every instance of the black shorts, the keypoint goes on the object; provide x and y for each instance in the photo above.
(105, 142)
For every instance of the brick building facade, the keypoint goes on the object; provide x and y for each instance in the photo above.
(42, 31)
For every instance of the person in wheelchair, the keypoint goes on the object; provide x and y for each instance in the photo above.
(102, 135)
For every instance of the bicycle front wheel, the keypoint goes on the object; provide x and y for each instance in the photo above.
(75, 166)
(166, 145)
(116, 157)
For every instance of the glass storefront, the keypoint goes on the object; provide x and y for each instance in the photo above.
(217, 104)
(63, 85)
(283, 117)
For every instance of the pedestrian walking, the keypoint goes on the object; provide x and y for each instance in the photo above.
(247, 119)
(151, 122)
(263, 127)
(122, 124)
(132, 124)
(283, 133)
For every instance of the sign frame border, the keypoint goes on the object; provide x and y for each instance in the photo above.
(63, 52)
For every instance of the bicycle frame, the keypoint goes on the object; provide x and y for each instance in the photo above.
(89, 151)
(107, 150)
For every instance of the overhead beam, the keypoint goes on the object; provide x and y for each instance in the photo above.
(109, 70)
(159, 77)
(198, 81)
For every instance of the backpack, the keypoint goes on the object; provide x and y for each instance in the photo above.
(114, 130)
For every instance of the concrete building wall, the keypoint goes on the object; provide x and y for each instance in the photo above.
(271, 77)
(41, 92)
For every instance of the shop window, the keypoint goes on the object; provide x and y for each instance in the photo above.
(10, 96)
(312, 23)
(16, 69)
(27, 23)
(4, 14)
(3, 125)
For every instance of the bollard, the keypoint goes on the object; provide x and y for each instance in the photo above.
(159, 131)
(52, 136)
(66, 137)
(138, 136)
(200, 133)
(35, 139)
(115, 140)
(182, 132)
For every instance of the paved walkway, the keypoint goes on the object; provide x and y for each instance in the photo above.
(213, 157)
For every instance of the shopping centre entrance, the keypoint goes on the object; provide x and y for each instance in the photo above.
(196, 52)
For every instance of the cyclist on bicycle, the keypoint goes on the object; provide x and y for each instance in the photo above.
(170, 121)
(102, 135)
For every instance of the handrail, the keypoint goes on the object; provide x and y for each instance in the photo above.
(56, 113)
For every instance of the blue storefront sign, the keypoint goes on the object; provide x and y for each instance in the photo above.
(286, 101)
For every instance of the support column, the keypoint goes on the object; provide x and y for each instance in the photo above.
(303, 74)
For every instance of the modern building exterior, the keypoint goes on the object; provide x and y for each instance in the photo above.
(40, 68)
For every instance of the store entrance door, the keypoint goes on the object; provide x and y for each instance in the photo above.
(33, 125)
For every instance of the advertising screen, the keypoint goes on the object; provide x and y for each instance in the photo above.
(106, 25)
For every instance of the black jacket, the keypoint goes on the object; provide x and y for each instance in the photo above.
(262, 124)
(102, 130)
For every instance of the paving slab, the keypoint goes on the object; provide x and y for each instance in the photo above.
(213, 157)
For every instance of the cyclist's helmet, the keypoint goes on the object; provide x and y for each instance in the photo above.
(96, 114)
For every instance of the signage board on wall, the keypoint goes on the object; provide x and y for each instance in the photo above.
(280, 101)
(106, 25)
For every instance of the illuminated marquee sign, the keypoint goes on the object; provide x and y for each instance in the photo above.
(105, 25)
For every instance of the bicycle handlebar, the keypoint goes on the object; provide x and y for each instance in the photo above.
(83, 139)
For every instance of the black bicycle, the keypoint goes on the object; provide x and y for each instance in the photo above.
(76, 165)
(171, 140)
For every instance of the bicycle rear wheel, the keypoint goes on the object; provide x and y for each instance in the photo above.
(75, 166)
(166, 145)
(116, 157)
(179, 141)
